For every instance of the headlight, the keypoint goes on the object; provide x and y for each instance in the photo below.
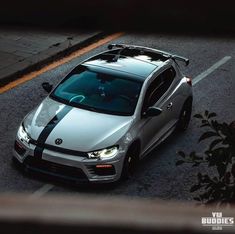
(23, 134)
(104, 153)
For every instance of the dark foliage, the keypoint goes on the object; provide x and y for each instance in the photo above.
(220, 154)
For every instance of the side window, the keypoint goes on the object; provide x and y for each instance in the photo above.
(168, 76)
(158, 87)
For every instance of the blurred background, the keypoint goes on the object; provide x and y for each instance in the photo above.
(150, 15)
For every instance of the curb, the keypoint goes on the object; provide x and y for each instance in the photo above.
(53, 53)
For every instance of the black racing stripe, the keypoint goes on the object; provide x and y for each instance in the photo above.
(65, 151)
(48, 129)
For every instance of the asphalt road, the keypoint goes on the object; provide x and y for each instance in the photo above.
(157, 176)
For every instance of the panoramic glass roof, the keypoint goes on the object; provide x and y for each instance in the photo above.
(130, 61)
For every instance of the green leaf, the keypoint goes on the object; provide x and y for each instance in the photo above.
(211, 115)
(195, 188)
(192, 155)
(197, 198)
(221, 168)
(215, 179)
(204, 125)
(198, 116)
(179, 162)
(182, 154)
(215, 124)
(206, 179)
(227, 177)
(214, 143)
(225, 141)
(233, 170)
(206, 195)
(208, 185)
(211, 162)
(207, 135)
(195, 157)
(199, 176)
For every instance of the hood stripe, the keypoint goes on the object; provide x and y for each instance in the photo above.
(48, 129)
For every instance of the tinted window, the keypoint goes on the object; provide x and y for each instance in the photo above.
(158, 87)
(88, 89)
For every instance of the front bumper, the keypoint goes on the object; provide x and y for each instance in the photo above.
(68, 167)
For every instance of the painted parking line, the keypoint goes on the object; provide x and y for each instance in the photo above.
(47, 187)
(42, 191)
(211, 69)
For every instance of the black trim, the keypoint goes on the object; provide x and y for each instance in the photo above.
(59, 149)
(146, 49)
(93, 109)
(60, 171)
(103, 171)
(48, 129)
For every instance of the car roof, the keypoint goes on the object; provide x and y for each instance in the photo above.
(131, 61)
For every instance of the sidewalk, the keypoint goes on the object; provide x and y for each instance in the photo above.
(24, 50)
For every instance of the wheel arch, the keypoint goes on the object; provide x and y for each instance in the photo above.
(189, 98)
(135, 147)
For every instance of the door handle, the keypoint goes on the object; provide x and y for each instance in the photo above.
(169, 106)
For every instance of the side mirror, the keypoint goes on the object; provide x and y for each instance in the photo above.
(47, 86)
(153, 111)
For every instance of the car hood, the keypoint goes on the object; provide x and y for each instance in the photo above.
(79, 129)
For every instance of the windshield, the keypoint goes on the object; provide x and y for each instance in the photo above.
(95, 91)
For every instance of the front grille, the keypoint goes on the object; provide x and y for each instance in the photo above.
(55, 169)
(19, 148)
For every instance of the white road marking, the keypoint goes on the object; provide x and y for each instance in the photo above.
(211, 69)
(42, 191)
(47, 187)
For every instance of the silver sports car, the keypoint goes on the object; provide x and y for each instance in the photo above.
(105, 115)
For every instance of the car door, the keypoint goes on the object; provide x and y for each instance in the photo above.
(171, 99)
(153, 128)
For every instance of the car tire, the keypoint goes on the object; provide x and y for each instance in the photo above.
(130, 163)
(185, 116)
